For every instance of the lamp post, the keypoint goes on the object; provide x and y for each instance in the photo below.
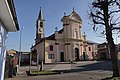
(20, 46)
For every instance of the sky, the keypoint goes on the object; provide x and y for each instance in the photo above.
(53, 10)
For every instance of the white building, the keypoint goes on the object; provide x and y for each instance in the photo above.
(8, 23)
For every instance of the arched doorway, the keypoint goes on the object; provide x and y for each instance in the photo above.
(77, 54)
(62, 56)
(84, 58)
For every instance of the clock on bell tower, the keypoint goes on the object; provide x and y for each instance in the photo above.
(40, 27)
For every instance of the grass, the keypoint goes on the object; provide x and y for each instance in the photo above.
(112, 78)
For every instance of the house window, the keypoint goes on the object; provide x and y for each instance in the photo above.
(51, 56)
(51, 48)
(89, 48)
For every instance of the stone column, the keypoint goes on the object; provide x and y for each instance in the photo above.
(81, 46)
(66, 56)
(70, 53)
(57, 51)
(73, 52)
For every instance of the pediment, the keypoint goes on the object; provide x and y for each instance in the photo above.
(74, 16)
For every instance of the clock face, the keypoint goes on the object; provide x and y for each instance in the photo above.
(40, 29)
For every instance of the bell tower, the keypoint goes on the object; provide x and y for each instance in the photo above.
(39, 27)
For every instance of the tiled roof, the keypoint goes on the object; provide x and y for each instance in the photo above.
(52, 37)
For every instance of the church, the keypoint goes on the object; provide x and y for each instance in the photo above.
(65, 45)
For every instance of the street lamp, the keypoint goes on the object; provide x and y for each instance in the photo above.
(20, 46)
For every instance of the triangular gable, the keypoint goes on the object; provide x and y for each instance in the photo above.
(74, 16)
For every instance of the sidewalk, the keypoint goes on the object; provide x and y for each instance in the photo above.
(62, 67)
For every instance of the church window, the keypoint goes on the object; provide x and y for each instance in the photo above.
(80, 32)
(51, 47)
(51, 56)
(76, 34)
(89, 48)
(41, 24)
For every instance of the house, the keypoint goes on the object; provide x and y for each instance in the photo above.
(11, 63)
(92, 49)
(8, 23)
(103, 52)
(15, 54)
(65, 45)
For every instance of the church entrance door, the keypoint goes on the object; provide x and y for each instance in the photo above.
(62, 56)
(77, 54)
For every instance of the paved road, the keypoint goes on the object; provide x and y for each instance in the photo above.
(85, 70)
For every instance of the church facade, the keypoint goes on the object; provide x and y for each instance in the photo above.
(67, 44)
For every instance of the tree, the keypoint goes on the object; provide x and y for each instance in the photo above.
(103, 13)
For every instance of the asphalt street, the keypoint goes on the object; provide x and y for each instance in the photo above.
(83, 70)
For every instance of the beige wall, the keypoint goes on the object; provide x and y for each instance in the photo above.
(40, 50)
(47, 51)
(70, 53)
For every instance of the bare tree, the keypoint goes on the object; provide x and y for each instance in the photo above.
(103, 13)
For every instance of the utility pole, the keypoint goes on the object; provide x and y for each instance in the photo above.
(20, 46)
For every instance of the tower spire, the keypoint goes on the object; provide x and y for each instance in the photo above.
(40, 27)
(40, 17)
(73, 9)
